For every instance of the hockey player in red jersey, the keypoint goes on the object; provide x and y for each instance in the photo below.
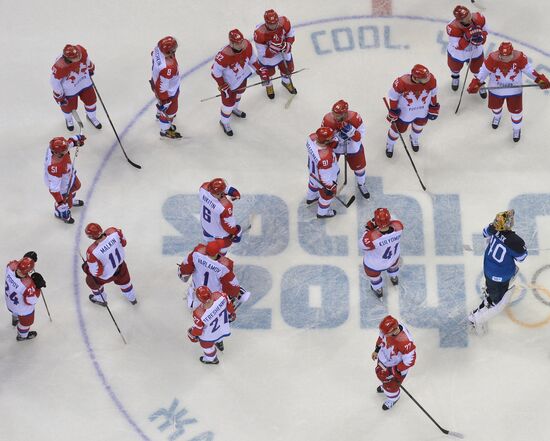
(467, 34)
(60, 176)
(165, 83)
(395, 354)
(231, 68)
(22, 293)
(105, 263)
(216, 215)
(212, 320)
(209, 267)
(323, 170)
(274, 39)
(413, 101)
(350, 132)
(505, 68)
(70, 79)
(381, 248)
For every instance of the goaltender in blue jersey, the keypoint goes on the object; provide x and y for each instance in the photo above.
(504, 249)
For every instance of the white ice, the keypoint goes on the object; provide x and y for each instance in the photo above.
(293, 379)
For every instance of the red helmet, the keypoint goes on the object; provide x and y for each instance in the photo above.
(324, 135)
(420, 72)
(59, 145)
(168, 45)
(271, 17)
(217, 186)
(461, 12)
(72, 52)
(388, 324)
(235, 36)
(203, 293)
(213, 248)
(25, 265)
(382, 217)
(93, 231)
(505, 49)
(340, 107)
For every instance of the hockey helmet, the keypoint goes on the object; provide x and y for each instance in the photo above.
(461, 12)
(388, 324)
(72, 52)
(168, 45)
(59, 145)
(217, 186)
(420, 73)
(93, 231)
(505, 49)
(504, 221)
(382, 217)
(203, 293)
(213, 248)
(236, 40)
(324, 135)
(271, 19)
(25, 266)
(340, 109)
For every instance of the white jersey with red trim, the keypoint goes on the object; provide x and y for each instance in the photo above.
(21, 294)
(69, 79)
(106, 255)
(412, 98)
(382, 250)
(322, 162)
(354, 142)
(232, 67)
(506, 73)
(216, 215)
(166, 74)
(263, 35)
(398, 350)
(458, 47)
(213, 321)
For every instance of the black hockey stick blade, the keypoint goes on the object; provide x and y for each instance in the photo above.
(455, 434)
(348, 203)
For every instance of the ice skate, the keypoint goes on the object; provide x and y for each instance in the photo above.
(378, 292)
(290, 87)
(516, 135)
(239, 113)
(70, 220)
(394, 280)
(496, 122)
(331, 213)
(388, 404)
(414, 143)
(97, 302)
(364, 191)
(133, 302)
(220, 346)
(270, 92)
(171, 133)
(226, 129)
(380, 390)
(389, 151)
(311, 201)
(95, 122)
(215, 361)
(30, 336)
(69, 122)
(78, 203)
(455, 82)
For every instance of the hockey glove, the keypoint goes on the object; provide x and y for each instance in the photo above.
(85, 268)
(264, 75)
(276, 46)
(433, 111)
(232, 317)
(393, 115)
(397, 376)
(91, 69)
(330, 189)
(192, 337)
(63, 211)
(163, 105)
(61, 100)
(78, 140)
(370, 225)
(474, 86)
(237, 237)
(233, 193)
(224, 89)
(542, 81)
(32, 255)
(287, 48)
(38, 280)
(183, 277)
(475, 36)
(347, 132)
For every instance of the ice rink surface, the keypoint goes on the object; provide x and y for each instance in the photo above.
(297, 366)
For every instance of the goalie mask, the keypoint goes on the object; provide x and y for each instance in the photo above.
(504, 221)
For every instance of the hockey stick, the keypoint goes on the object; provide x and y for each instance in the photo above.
(76, 116)
(521, 86)
(252, 85)
(405, 145)
(45, 304)
(343, 202)
(464, 84)
(346, 164)
(289, 101)
(478, 6)
(114, 130)
(445, 431)
(106, 304)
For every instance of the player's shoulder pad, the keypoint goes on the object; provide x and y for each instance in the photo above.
(285, 23)
(371, 235)
(514, 242)
(111, 230)
(227, 204)
(326, 154)
(217, 294)
(329, 121)
(354, 118)
(227, 262)
(397, 225)
(478, 19)
(200, 248)
(520, 58)
(432, 82)
(454, 29)
(198, 313)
